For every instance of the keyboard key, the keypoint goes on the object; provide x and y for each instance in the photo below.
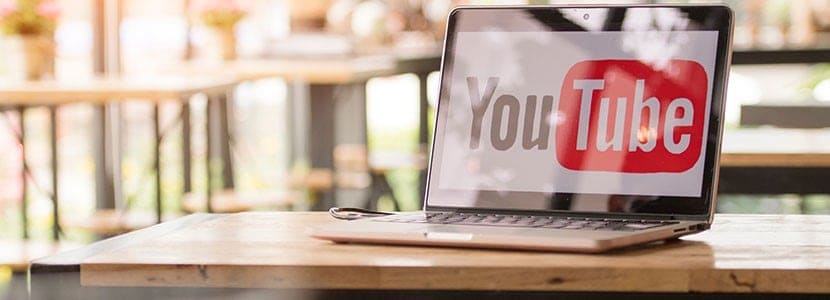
(525, 221)
(596, 224)
(508, 220)
(492, 219)
(542, 222)
(472, 220)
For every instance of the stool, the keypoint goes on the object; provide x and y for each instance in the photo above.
(360, 169)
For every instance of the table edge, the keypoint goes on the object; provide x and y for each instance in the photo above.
(70, 261)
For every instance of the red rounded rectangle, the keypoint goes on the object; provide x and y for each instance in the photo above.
(606, 117)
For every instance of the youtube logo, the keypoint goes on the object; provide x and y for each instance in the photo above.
(628, 116)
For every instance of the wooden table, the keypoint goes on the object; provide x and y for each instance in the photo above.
(107, 89)
(329, 70)
(741, 255)
(17, 254)
(775, 161)
(21, 95)
(328, 96)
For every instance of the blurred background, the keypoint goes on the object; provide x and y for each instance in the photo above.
(268, 84)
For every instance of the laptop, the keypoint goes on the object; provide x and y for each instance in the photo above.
(570, 128)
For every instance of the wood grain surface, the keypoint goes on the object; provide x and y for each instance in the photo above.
(742, 253)
(17, 254)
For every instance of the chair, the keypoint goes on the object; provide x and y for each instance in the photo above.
(357, 168)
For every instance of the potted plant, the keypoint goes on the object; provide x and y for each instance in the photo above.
(29, 29)
(220, 17)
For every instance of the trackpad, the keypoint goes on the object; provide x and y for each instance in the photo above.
(448, 236)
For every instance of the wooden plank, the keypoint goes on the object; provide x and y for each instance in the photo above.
(776, 147)
(271, 250)
(342, 69)
(312, 70)
(807, 160)
(100, 89)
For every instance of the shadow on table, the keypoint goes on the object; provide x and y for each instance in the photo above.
(667, 247)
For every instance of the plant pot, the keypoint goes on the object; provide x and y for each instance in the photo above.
(30, 57)
(224, 42)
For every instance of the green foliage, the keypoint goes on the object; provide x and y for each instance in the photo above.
(404, 182)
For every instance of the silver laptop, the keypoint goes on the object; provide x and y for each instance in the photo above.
(570, 129)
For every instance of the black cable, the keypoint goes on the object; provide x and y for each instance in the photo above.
(354, 213)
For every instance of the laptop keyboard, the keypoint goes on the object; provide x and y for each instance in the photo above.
(526, 221)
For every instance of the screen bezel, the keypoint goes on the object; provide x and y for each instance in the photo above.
(717, 18)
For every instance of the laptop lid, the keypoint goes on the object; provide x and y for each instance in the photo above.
(613, 111)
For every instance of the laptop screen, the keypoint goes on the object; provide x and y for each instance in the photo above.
(611, 110)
